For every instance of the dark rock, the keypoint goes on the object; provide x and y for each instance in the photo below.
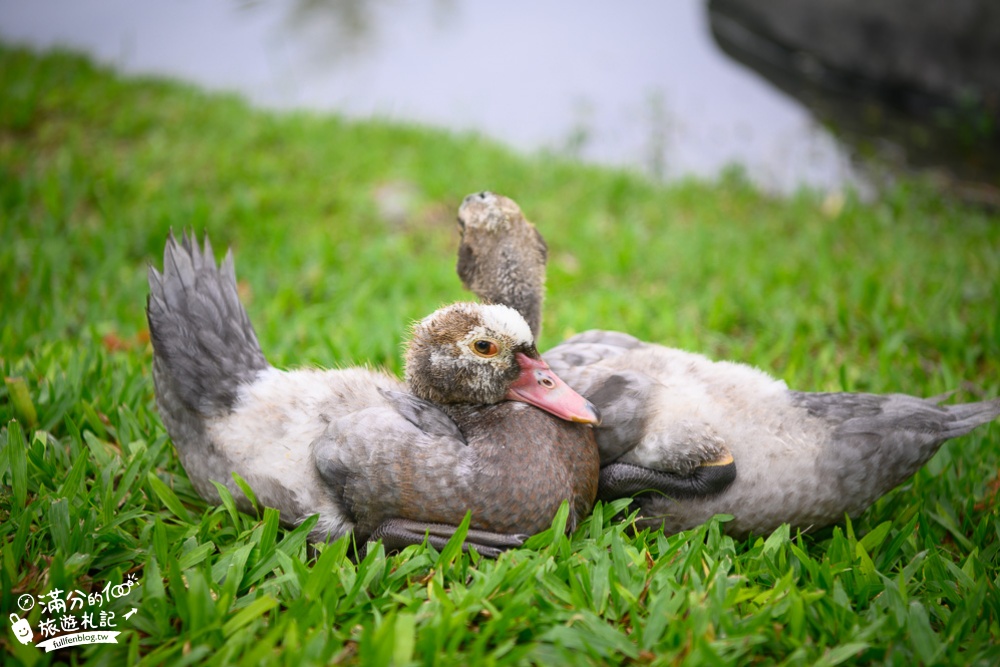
(917, 51)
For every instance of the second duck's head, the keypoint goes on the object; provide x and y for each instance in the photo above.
(501, 256)
(476, 354)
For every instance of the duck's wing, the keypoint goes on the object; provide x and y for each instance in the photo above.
(624, 400)
(426, 416)
(622, 396)
(378, 460)
(648, 438)
(878, 441)
(395, 466)
(652, 425)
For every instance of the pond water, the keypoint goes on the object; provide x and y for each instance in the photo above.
(641, 84)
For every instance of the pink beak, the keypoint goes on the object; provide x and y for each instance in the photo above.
(539, 386)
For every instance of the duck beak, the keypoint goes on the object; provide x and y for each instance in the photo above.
(537, 385)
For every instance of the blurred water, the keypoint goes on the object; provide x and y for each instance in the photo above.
(637, 84)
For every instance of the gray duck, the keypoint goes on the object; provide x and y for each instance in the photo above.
(368, 453)
(689, 437)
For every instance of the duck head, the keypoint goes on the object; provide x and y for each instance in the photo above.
(501, 256)
(476, 354)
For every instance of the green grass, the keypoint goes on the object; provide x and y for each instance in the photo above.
(896, 295)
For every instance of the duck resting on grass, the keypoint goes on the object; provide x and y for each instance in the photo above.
(689, 438)
(366, 452)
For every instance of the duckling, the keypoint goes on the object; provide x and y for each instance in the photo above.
(677, 426)
(368, 453)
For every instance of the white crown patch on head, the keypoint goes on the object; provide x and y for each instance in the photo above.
(503, 319)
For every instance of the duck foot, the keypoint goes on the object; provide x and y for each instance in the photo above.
(399, 533)
(622, 480)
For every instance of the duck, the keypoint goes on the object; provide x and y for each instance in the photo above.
(479, 423)
(689, 438)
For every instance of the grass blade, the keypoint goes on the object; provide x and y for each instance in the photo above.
(244, 616)
(168, 497)
(21, 400)
(18, 460)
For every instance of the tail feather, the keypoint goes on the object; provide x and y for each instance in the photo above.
(204, 345)
(967, 416)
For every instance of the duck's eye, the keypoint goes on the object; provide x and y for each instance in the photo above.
(485, 348)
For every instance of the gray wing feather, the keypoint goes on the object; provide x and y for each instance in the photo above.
(379, 465)
(878, 441)
(423, 414)
(623, 398)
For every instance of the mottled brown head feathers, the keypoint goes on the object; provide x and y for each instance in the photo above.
(464, 353)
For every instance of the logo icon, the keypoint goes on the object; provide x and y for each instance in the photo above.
(73, 619)
(21, 628)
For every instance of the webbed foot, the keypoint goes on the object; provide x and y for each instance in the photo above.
(621, 480)
(399, 533)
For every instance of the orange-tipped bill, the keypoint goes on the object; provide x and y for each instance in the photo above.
(539, 386)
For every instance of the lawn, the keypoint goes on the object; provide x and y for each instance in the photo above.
(344, 233)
